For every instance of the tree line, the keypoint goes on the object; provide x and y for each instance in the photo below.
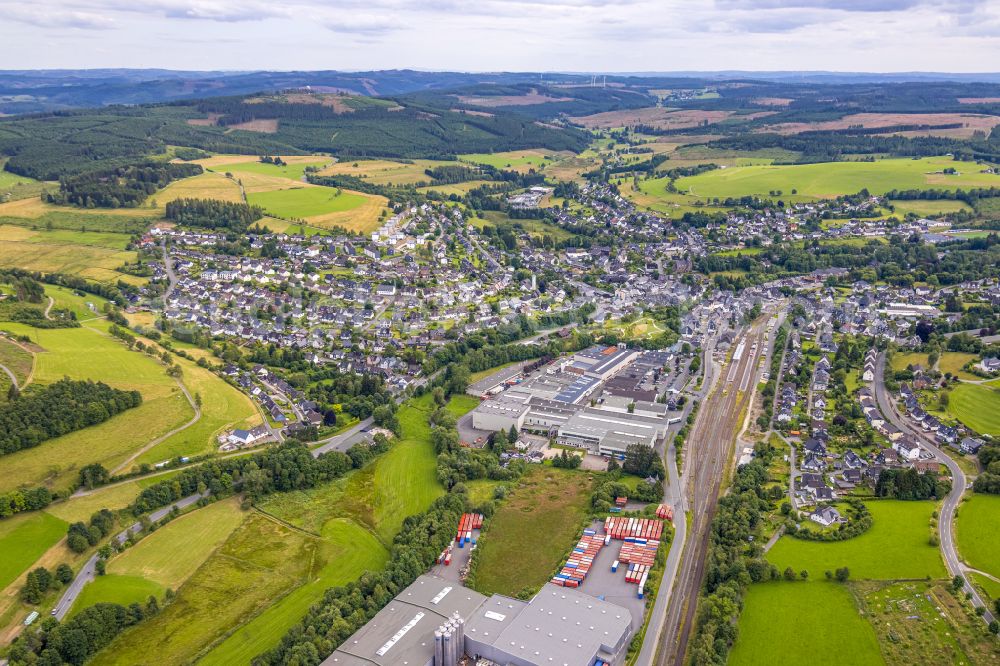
(60, 408)
(213, 214)
(118, 187)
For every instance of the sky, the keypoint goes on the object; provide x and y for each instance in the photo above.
(504, 35)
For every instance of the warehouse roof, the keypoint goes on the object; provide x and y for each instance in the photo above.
(403, 631)
(559, 626)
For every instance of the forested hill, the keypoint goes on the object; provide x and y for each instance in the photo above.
(50, 146)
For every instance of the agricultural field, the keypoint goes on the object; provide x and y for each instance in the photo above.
(223, 407)
(16, 359)
(977, 406)
(514, 160)
(458, 189)
(536, 526)
(89, 254)
(826, 179)
(821, 615)
(970, 123)
(209, 185)
(923, 622)
(238, 165)
(23, 539)
(662, 118)
(923, 208)
(895, 547)
(88, 353)
(976, 532)
(386, 172)
(306, 201)
(261, 561)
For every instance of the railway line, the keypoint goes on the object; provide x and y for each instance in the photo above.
(710, 452)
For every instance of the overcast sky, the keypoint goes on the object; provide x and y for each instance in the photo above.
(511, 35)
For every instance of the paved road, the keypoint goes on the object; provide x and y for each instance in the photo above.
(887, 405)
(89, 570)
(168, 266)
(709, 454)
(7, 371)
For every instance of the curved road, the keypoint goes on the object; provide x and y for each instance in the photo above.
(7, 371)
(887, 405)
(89, 570)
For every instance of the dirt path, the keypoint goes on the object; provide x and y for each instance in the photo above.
(197, 416)
(48, 308)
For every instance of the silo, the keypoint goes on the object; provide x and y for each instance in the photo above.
(438, 648)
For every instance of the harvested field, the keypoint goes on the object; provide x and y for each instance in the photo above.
(534, 97)
(661, 118)
(264, 125)
(206, 186)
(971, 122)
(773, 101)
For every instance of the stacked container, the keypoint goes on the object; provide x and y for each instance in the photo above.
(633, 528)
(467, 523)
(580, 560)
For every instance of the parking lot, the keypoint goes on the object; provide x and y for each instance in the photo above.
(601, 582)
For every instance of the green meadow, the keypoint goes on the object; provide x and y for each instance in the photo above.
(977, 535)
(827, 179)
(895, 547)
(977, 406)
(812, 622)
(294, 171)
(303, 202)
(23, 539)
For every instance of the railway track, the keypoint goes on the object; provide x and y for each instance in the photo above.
(710, 452)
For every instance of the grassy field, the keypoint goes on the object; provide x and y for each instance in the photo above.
(208, 185)
(261, 561)
(536, 527)
(117, 589)
(88, 353)
(456, 188)
(237, 165)
(401, 483)
(902, 361)
(895, 547)
(977, 406)
(386, 172)
(346, 551)
(223, 407)
(90, 254)
(924, 207)
(17, 360)
(953, 361)
(353, 519)
(514, 160)
(923, 623)
(976, 532)
(172, 553)
(304, 202)
(23, 539)
(818, 620)
(826, 179)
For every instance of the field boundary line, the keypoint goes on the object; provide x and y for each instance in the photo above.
(285, 523)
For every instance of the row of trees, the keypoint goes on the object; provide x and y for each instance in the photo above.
(60, 408)
(989, 481)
